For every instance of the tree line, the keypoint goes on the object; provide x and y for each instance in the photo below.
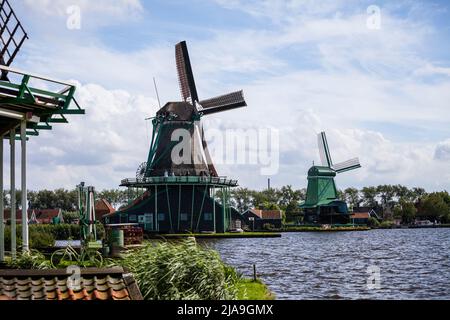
(389, 201)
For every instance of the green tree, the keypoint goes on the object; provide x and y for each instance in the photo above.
(369, 195)
(406, 211)
(386, 193)
(417, 193)
(242, 199)
(436, 206)
(352, 196)
(114, 196)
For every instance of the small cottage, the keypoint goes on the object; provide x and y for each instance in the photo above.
(257, 219)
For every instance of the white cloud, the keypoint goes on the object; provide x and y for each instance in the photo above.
(442, 151)
(429, 69)
(101, 148)
(116, 8)
(318, 69)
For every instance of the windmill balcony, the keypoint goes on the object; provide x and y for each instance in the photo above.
(189, 180)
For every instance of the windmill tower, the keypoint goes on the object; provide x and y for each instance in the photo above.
(322, 204)
(177, 183)
(179, 124)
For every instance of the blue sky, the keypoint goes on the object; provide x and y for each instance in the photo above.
(305, 66)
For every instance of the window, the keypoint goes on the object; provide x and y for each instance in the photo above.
(132, 218)
(184, 217)
(141, 219)
(208, 216)
(161, 216)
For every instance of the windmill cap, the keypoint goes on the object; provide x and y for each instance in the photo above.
(321, 171)
(183, 110)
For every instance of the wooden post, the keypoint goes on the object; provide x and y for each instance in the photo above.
(23, 137)
(12, 142)
(255, 278)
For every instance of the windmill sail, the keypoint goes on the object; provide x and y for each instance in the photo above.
(324, 151)
(12, 36)
(223, 103)
(185, 75)
(347, 165)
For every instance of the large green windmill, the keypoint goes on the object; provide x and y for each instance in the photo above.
(322, 204)
(178, 183)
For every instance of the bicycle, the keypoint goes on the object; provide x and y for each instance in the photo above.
(86, 258)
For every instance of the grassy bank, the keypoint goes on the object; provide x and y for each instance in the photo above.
(249, 289)
(217, 235)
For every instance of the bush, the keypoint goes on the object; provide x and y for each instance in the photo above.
(373, 222)
(44, 235)
(182, 271)
(387, 224)
(268, 226)
(30, 260)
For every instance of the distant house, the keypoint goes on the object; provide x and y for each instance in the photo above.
(256, 219)
(360, 218)
(102, 208)
(362, 215)
(35, 216)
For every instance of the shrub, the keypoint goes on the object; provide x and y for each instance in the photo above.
(268, 226)
(30, 260)
(373, 222)
(44, 235)
(387, 224)
(182, 271)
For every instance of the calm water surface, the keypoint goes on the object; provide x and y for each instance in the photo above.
(414, 263)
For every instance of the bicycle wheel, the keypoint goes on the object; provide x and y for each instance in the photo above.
(58, 256)
(92, 259)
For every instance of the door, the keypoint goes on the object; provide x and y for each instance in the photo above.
(148, 222)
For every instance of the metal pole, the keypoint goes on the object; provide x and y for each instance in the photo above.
(12, 143)
(23, 137)
(214, 208)
(157, 218)
(179, 206)
(2, 206)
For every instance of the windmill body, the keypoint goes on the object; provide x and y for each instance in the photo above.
(322, 204)
(176, 187)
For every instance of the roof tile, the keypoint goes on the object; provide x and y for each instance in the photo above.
(54, 285)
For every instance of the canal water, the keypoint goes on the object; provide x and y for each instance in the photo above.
(412, 263)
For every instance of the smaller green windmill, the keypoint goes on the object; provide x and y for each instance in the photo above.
(322, 204)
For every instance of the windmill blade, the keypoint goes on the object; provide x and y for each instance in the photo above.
(347, 165)
(211, 167)
(12, 36)
(223, 103)
(324, 151)
(185, 75)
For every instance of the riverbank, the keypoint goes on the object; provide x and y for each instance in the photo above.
(217, 235)
(321, 229)
(249, 289)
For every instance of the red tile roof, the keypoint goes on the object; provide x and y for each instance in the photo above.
(103, 207)
(267, 214)
(43, 216)
(95, 284)
(360, 215)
